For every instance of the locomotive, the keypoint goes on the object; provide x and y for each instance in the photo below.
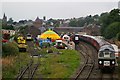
(75, 38)
(106, 57)
(21, 44)
(29, 37)
(106, 52)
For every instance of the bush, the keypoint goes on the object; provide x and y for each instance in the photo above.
(9, 48)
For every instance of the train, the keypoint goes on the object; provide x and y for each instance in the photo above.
(21, 44)
(106, 53)
(75, 38)
(29, 37)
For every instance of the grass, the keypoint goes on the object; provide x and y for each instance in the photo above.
(59, 65)
(12, 64)
(52, 65)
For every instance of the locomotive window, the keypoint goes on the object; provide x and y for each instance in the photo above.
(112, 55)
(101, 54)
(106, 54)
(29, 35)
(76, 38)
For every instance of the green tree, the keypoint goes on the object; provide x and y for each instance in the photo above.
(73, 23)
(10, 21)
(118, 36)
(104, 22)
(112, 30)
(89, 19)
(8, 27)
(108, 18)
(114, 16)
(81, 22)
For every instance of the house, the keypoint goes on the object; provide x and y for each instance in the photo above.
(7, 33)
(38, 23)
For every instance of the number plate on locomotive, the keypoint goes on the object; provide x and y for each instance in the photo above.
(106, 63)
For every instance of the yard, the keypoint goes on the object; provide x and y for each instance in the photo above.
(59, 64)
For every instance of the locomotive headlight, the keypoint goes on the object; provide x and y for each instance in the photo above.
(113, 62)
(100, 62)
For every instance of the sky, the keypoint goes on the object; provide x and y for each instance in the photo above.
(57, 10)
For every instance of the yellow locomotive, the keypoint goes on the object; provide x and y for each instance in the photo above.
(21, 44)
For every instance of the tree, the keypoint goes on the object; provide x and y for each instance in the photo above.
(89, 19)
(114, 16)
(104, 22)
(112, 30)
(10, 21)
(73, 23)
(107, 18)
(96, 16)
(118, 36)
(81, 22)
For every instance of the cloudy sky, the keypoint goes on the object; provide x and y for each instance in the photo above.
(62, 10)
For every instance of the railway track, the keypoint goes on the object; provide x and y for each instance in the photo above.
(30, 69)
(34, 69)
(89, 70)
(104, 76)
(86, 69)
(108, 75)
(19, 77)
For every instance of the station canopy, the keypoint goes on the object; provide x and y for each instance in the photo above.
(49, 34)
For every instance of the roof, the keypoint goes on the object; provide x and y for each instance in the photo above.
(115, 47)
(109, 47)
(38, 20)
(49, 34)
(98, 39)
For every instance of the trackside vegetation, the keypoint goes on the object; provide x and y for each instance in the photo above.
(12, 64)
(59, 64)
(9, 48)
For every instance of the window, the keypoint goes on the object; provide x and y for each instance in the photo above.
(76, 38)
(29, 35)
(106, 54)
(101, 54)
(112, 54)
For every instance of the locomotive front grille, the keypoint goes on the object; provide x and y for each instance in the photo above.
(106, 63)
